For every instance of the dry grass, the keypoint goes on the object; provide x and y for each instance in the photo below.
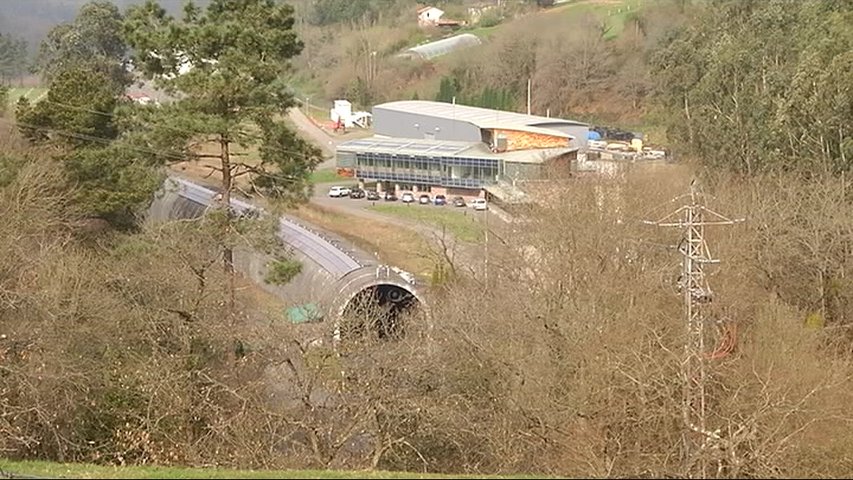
(259, 297)
(205, 168)
(392, 244)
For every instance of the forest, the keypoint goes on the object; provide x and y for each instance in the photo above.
(129, 342)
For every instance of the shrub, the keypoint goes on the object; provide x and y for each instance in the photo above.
(490, 18)
(280, 272)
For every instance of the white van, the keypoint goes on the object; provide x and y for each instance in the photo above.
(479, 204)
(337, 191)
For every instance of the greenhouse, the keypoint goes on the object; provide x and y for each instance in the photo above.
(441, 47)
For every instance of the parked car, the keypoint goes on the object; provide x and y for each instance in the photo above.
(480, 204)
(372, 195)
(424, 199)
(440, 200)
(407, 197)
(356, 193)
(338, 191)
(390, 197)
(458, 202)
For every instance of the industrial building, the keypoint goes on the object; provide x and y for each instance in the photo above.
(452, 149)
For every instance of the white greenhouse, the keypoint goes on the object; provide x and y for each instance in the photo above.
(441, 47)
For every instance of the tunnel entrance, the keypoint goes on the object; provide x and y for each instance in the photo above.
(379, 311)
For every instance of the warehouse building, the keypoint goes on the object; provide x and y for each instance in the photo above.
(453, 149)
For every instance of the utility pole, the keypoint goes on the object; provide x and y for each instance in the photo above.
(528, 95)
(486, 247)
(696, 292)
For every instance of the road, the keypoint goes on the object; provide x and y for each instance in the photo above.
(329, 256)
(316, 135)
(467, 253)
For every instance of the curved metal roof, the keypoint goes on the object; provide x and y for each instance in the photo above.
(445, 46)
(484, 118)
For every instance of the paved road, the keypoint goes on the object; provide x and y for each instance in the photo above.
(468, 254)
(316, 135)
(327, 255)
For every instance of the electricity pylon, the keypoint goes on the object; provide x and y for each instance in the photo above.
(692, 219)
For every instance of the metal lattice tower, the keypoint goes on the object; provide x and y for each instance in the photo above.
(692, 219)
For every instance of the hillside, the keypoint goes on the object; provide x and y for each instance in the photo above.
(586, 59)
(581, 341)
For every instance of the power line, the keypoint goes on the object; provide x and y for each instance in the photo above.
(692, 218)
(95, 139)
(172, 155)
(169, 127)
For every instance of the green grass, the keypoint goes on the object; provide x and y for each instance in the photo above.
(82, 470)
(482, 32)
(282, 271)
(30, 93)
(326, 176)
(463, 227)
(614, 14)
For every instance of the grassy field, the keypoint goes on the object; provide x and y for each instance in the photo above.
(482, 32)
(394, 245)
(80, 470)
(463, 227)
(328, 176)
(614, 13)
(31, 93)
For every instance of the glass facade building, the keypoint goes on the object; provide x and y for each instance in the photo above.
(426, 164)
(420, 162)
(445, 171)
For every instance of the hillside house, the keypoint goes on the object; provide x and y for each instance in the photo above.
(429, 16)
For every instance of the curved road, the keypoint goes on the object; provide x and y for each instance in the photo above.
(331, 258)
(316, 135)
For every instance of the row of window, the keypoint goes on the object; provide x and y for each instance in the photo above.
(450, 171)
(398, 177)
(419, 161)
(482, 173)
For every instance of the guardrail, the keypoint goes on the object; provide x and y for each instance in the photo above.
(323, 250)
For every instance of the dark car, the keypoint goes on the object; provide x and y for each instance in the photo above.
(390, 197)
(356, 193)
(458, 202)
(372, 195)
(440, 200)
(424, 199)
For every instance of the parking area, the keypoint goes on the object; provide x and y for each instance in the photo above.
(456, 217)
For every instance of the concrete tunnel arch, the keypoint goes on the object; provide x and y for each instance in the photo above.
(340, 279)
(384, 287)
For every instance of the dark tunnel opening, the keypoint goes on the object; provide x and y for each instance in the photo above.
(379, 310)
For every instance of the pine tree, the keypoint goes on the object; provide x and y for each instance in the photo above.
(227, 64)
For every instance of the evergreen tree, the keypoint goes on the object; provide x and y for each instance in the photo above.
(79, 116)
(448, 88)
(93, 39)
(83, 65)
(227, 66)
(13, 57)
(754, 86)
(4, 99)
